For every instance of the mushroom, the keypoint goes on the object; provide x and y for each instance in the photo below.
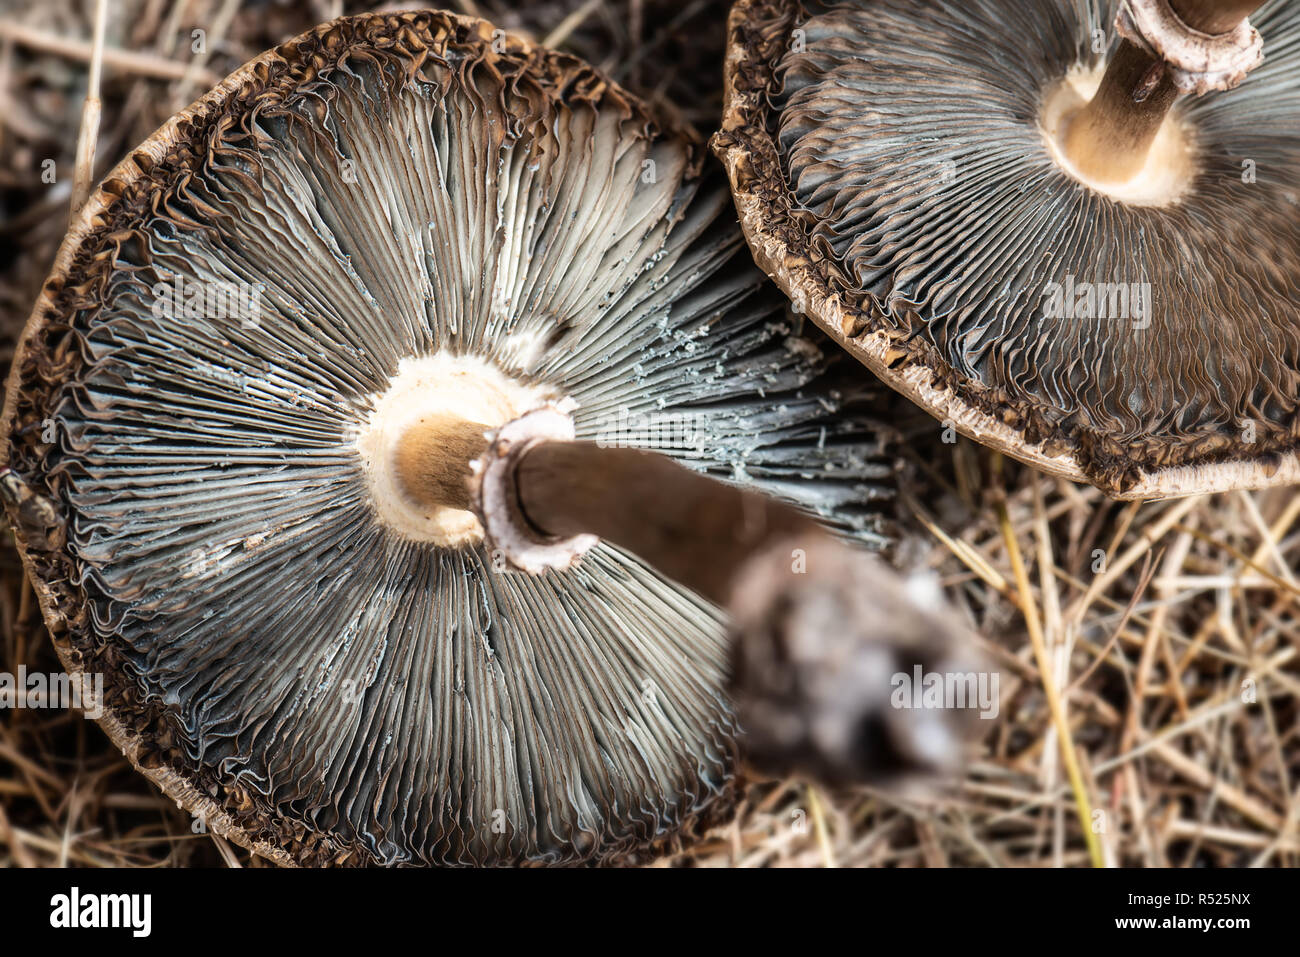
(1032, 226)
(334, 361)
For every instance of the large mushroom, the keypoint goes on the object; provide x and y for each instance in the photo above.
(398, 284)
(1069, 230)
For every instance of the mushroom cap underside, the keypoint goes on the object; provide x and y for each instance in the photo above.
(304, 678)
(892, 175)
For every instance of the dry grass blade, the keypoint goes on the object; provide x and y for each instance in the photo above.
(1054, 702)
(89, 133)
(125, 61)
(561, 33)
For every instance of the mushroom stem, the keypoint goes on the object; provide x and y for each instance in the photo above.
(694, 529)
(817, 629)
(433, 459)
(1108, 141)
(1214, 17)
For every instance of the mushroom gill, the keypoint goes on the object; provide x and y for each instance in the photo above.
(227, 314)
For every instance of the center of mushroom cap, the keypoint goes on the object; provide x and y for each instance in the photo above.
(424, 390)
(1169, 165)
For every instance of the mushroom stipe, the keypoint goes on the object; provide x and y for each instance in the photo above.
(199, 492)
